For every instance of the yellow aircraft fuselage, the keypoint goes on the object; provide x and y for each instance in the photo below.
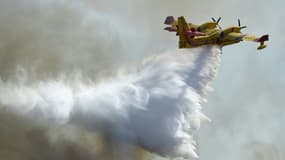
(214, 37)
(191, 35)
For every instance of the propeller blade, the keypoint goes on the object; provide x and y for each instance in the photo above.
(239, 22)
(242, 27)
(219, 19)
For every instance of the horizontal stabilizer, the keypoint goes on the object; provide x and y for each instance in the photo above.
(261, 46)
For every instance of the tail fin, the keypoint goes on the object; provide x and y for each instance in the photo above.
(182, 27)
(261, 40)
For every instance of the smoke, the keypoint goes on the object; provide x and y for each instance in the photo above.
(155, 106)
(50, 37)
(68, 89)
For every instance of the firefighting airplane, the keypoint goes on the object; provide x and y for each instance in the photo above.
(209, 33)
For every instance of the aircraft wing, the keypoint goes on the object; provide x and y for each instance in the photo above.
(182, 27)
(172, 24)
(182, 24)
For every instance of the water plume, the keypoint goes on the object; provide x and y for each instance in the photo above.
(156, 105)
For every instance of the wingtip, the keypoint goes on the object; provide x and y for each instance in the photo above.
(169, 20)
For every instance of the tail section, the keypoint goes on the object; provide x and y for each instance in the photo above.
(261, 46)
(261, 40)
(182, 27)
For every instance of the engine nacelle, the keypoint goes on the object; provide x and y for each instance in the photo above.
(231, 30)
(205, 26)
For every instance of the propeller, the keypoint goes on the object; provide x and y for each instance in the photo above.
(217, 21)
(241, 27)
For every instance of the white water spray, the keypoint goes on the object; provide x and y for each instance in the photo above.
(157, 106)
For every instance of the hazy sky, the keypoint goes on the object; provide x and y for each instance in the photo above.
(247, 106)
